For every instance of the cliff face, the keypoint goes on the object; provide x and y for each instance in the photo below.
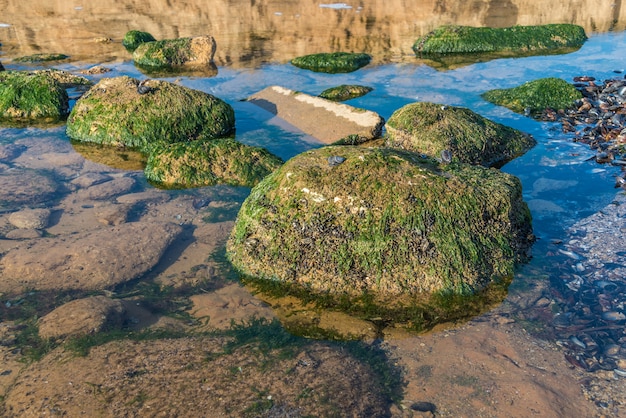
(249, 32)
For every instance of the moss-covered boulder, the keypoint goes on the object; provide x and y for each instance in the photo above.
(454, 39)
(335, 62)
(403, 229)
(35, 58)
(31, 96)
(121, 111)
(345, 92)
(431, 128)
(192, 52)
(535, 96)
(134, 38)
(206, 163)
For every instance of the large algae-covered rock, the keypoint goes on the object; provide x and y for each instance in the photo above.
(454, 39)
(335, 62)
(535, 96)
(32, 96)
(121, 111)
(206, 163)
(196, 51)
(431, 128)
(346, 220)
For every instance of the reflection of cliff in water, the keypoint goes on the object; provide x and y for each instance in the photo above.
(250, 32)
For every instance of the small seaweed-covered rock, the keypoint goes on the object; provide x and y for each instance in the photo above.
(170, 53)
(32, 96)
(134, 38)
(124, 112)
(345, 92)
(391, 224)
(35, 58)
(431, 129)
(335, 62)
(454, 39)
(206, 163)
(535, 96)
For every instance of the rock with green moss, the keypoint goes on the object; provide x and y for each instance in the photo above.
(123, 112)
(134, 38)
(335, 62)
(345, 92)
(206, 163)
(403, 229)
(454, 39)
(28, 96)
(35, 58)
(431, 128)
(535, 96)
(195, 52)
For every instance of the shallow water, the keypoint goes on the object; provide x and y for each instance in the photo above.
(255, 42)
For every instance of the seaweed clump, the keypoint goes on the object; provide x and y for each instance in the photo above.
(335, 62)
(134, 38)
(533, 97)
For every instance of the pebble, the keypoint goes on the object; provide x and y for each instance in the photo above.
(30, 218)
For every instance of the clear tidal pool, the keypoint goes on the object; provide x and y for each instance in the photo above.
(561, 184)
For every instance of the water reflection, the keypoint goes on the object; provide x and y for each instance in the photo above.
(250, 33)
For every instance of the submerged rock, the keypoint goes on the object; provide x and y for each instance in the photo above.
(28, 96)
(456, 132)
(533, 97)
(335, 62)
(243, 375)
(35, 58)
(206, 163)
(22, 186)
(134, 38)
(345, 92)
(91, 260)
(386, 223)
(113, 112)
(82, 316)
(454, 39)
(325, 120)
(171, 53)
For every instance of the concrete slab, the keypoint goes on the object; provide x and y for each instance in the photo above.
(330, 122)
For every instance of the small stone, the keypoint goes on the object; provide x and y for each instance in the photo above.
(23, 234)
(30, 218)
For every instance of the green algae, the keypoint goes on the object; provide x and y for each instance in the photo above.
(535, 96)
(32, 96)
(114, 113)
(335, 62)
(35, 58)
(384, 222)
(345, 92)
(454, 39)
(431, 128)
(165, 53)
(134, 38)
(209, 162)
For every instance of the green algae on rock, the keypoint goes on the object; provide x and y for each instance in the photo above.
(431, 128)
(335, 62)
(345, 92)
(35, 58)
(454, 39)
(29, 96)
(114, 112)
(134, 38)
(206, 163)
(535, 96)
(175, 53)
(384, 222)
